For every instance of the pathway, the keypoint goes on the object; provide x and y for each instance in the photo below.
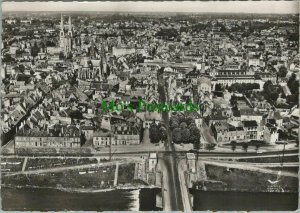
(24, 164)
(116, 174)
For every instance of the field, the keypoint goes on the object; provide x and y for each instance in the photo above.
(43, 163)
(94, 177)
(101, 177)
(11, 164)
(270, 159)
(245, 180)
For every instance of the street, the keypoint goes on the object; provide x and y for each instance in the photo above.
(174, 195)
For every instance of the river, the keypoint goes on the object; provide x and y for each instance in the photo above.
(31, 199)
(244, 201)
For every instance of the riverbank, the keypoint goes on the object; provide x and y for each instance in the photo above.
(225, 178)
(80, 190)
(91, 178)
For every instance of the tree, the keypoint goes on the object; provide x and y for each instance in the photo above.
(154, 133)
(21, 68)
(181, 118)
(210, 146)
(7, 58)
(164, 133)
(61, 55)
(194, 135)
(174, 123)
(282, 72)
(76, 115)
(176, 135)
(197, 143)
(257, 146)
(293, 84)
(34, 50)
(218, 87)
(270, 91)
(245, 146)
(183, 125)
(82, 138)
(132, 82)
(189, 120)
(185, 134)
(233, 145)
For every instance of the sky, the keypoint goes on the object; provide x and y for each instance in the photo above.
(278, 7)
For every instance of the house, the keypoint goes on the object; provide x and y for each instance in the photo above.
(250, 128)
(88, 131)
(59, 136)
(204, 84)
(250, 114)
(271, 134)
(224, 132)
(126, 135)
(191, 161)
(149, 117)
(103, 138)
(152, 162)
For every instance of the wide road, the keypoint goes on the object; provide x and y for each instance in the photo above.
(169, 160)
(171, 152)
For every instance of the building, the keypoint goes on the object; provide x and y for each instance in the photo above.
(120, 134)
(126, 135)
(152, 162)
(65, 37)
(251, 115)
(224, 132)
(91, 69)
(66, 136)
(251, 130)
(191, 162)
(102, 139)
(270, 134)
(204, 84)
(87, 131)
(150, 117)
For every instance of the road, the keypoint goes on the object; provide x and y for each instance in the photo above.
(205, 133)
(173, 193)
(135, 153)
(64, 168)
(187, 203)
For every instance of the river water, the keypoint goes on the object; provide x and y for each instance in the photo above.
(31, 199)
(244, 201)
(55, 200)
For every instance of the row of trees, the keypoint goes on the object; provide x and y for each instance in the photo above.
(271, 92)
(282, 72)
(245, 145)
(241, 88)
(168, 33)
(293, 85)
(157, 133)
(184, 130)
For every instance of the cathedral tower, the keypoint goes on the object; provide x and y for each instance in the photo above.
(61, 33)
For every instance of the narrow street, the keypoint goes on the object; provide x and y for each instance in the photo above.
(205, 133)
(173, 193)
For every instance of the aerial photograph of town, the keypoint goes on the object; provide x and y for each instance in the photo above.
(150, 106)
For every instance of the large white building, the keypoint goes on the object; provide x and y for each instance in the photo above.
(65, 37)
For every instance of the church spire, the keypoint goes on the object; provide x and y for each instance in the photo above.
(70, 24)
(70, 27)
(61, 22)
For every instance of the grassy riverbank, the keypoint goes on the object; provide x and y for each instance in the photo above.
(221, 178)
(94, 178)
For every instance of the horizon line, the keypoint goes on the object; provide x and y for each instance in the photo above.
(95, 11)
(251, 7)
